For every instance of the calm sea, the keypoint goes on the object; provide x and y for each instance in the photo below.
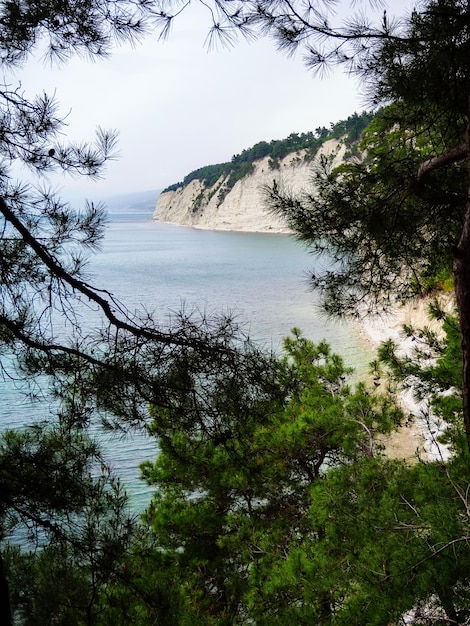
(261, 278)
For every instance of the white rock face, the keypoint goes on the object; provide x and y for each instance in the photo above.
(243, 208)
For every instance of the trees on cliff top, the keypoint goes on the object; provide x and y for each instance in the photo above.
(242, 164)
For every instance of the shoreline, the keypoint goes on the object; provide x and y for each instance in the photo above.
(229, 229)
(417, 437)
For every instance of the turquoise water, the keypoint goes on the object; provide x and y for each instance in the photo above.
(260, 278)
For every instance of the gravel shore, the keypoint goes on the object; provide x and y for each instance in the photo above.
(418, 435)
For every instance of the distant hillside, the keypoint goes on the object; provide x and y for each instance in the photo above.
(139, 201)
(228, 196)
(276, 150)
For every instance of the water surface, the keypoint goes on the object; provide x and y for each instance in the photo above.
(261, 278)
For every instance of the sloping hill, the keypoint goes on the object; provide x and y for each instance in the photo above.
(229, 196)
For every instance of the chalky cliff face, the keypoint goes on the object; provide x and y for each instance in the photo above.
(242, 207)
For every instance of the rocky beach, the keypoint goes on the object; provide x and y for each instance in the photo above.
(418, 435)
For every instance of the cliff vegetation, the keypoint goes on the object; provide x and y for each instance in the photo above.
(229, 196)
(242, 164)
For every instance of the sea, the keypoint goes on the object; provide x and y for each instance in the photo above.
(261, 279)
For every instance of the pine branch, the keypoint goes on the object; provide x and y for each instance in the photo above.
(90, 292)
(441, 160)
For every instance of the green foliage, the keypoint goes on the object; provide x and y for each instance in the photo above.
(209, 174)
(70, 516)
(281, 507)
(234, 475)
(389, 237)
(241, 165)
(390, 543)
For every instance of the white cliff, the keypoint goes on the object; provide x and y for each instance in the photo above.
(243, 207)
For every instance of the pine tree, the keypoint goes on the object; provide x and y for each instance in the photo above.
(233, 482)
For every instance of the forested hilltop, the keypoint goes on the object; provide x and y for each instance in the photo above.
(229, 196)
(241, 165)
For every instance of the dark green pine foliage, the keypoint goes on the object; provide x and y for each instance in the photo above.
(64, 522)
(283, 508)
(233, 482)
(372, 539)
(395, 533)
(394, 541)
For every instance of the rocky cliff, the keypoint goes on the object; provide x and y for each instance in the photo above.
(242, 207)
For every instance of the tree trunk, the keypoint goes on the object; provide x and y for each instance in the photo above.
(461, 273)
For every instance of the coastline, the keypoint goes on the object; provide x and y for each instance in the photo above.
(229, 228)
(417, 437)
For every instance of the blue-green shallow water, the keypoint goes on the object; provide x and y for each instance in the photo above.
(262, 278)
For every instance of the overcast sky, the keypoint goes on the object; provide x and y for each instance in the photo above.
(179, 106)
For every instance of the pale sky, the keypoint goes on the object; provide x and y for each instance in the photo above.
(179, 106)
